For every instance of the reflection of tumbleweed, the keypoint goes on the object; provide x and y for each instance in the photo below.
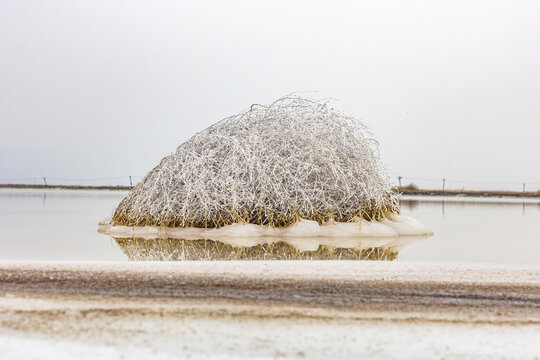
(177, 249)
(270, 165)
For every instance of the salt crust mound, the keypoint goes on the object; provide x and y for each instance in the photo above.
(305, 234)
(270, 165)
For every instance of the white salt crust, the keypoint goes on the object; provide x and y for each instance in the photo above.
(391, 231)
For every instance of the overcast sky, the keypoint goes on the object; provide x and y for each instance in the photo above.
(98, 89)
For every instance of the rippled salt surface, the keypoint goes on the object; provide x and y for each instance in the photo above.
(61, 225)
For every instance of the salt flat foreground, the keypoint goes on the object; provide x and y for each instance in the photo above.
(290, 309)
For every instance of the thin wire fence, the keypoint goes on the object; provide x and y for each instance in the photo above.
(463, 184)
(398, 181)
(125, 180)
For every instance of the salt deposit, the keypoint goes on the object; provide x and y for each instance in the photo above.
(391, 227)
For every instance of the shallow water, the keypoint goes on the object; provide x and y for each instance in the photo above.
(505, 231)
(62, 225)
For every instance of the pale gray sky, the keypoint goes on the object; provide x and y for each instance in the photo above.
(99, 89)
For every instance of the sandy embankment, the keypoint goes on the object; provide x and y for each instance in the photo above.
(320, 305)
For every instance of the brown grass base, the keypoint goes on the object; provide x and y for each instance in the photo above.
(126, 215)
(263, 217)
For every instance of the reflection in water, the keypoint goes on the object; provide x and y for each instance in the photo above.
(494, 230)
(412, 204)
(264, 248)
(409, 204)
(442, 207)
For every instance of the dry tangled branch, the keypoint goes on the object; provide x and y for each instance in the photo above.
(270, 165)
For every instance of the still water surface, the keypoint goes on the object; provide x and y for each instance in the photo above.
(62, 225)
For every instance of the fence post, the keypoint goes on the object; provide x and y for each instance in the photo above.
(45, 181)
(443, 183)
(399, 179)
(130, 183)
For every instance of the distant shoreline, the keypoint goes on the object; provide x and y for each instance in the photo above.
(404, 191)
(65, 187)
(471, 193)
